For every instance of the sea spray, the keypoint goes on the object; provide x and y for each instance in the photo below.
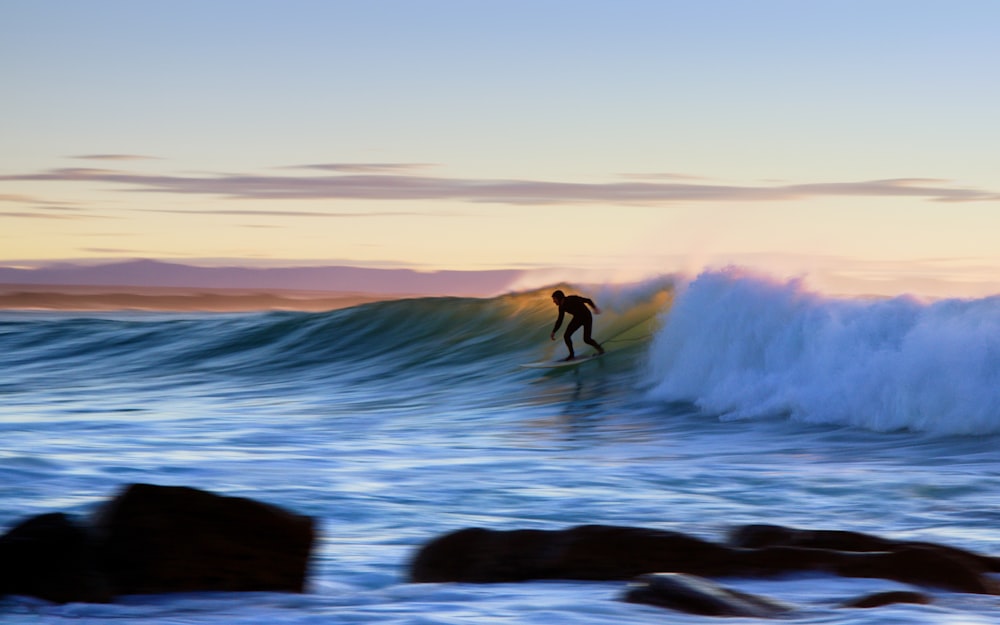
(742, 346)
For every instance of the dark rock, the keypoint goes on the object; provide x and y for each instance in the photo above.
(588, 552)
(697, 595)
(758, 536)
(51, 557)
(175, 539)
(918, 565)
(599, 552)
(880, 599)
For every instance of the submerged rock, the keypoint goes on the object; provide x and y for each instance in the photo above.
(697, 595)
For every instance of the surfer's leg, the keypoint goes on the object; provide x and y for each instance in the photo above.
(573, 326)
(588, 326)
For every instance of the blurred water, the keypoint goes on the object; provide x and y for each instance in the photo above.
(397, 422)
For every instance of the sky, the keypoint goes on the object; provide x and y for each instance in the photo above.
(852, 143)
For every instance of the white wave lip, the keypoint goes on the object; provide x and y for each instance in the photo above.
(743, 346)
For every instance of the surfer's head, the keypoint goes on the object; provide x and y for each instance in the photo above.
(558, 297)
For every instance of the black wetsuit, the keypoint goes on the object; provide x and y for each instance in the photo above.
(577, 307)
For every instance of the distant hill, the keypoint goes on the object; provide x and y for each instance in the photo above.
(152, 273)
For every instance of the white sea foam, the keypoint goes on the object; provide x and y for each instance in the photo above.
(744, 346)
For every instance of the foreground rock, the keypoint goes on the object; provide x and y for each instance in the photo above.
(600, 552)
(757, 536)
(880, 599)
(168, 539)
(696, 595)
(54, 558)
(158, 539)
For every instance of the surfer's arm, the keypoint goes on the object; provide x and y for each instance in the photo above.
(590, 302)
(559, 321)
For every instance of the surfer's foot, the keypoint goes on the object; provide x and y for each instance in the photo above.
(569, 358)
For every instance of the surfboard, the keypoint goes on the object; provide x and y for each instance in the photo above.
(557, 364)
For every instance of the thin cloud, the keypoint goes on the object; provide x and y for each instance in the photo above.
(116, 251)
(20, 199)
(662, 176)
(364, 168)
(285, 213)
(36, 208)
(390, 186)
(30, 199)
(37, 215)
(114, 157)
(930, 188)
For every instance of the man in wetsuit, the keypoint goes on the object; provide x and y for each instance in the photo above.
(576, 306)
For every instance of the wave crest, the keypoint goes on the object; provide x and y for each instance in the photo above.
(743, 346)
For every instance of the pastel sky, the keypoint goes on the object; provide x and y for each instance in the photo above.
(853, 142)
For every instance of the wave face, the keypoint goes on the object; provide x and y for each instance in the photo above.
(745, 347)
(403, 347)
(736, 345)
(392, 335)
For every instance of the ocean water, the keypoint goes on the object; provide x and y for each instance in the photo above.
(725, 400)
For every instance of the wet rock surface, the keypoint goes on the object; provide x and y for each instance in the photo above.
(158, 539)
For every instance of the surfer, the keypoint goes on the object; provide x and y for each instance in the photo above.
(576, 306)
